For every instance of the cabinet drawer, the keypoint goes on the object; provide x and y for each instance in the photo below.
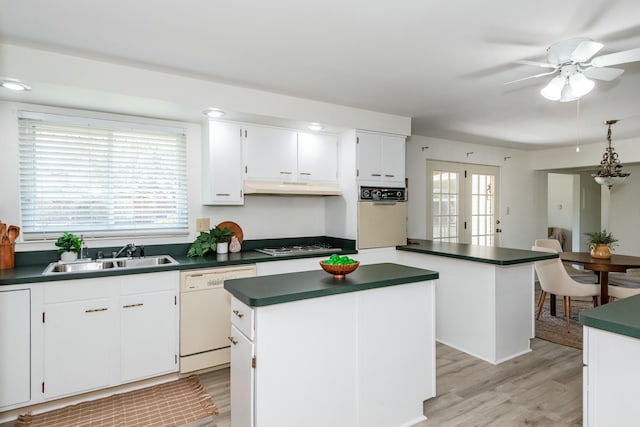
(242, 317)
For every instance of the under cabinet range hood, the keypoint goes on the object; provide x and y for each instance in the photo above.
(291, 188)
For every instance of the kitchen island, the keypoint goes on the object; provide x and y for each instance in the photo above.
(312, 350)
(484, 298)
(611, 353)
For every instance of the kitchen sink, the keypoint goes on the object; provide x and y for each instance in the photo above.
(109, 264)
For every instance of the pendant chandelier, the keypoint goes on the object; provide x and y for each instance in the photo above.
(610, 170)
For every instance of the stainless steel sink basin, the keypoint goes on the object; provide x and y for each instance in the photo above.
(108, 264)
(146, 262)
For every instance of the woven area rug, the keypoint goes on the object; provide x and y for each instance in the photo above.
(554, 329)
(170, 404)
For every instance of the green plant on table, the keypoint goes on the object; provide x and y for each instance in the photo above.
(221, 235)
(207, 241)
(68, 242)
(601, 238)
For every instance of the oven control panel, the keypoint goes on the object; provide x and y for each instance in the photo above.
(383, 193)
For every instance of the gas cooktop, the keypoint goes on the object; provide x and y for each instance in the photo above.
(299, 250)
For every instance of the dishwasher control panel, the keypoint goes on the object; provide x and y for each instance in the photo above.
(215, 277)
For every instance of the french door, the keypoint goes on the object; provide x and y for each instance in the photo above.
(462, 200)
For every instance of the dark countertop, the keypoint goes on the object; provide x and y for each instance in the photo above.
(467, 252)
(280, 288)
(32, 273)
(620, 317)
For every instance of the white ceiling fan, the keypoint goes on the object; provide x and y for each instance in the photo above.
(572, 59)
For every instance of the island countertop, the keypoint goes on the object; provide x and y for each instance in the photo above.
(281, 288)
(467, 252)
(620, 317)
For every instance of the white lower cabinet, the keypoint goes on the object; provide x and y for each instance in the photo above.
(79, 342)
(15, 347)
(242, 380)
(103, 332)
(148, 333)
(610, 379)
(354, 359)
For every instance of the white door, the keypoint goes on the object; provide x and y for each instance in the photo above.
(271, 153)
(79, 347)
(462, 200)
(15, 347)
(148, 331)
(317, 157)
(242, 380)
(224, 164)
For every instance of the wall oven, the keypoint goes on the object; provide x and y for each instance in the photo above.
(382, 217)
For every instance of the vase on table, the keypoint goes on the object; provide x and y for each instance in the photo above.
(222, 247)
(600, 251)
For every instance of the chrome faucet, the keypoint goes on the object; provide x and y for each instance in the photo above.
(129, 247)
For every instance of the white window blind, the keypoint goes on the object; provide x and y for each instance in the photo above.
(100, 177)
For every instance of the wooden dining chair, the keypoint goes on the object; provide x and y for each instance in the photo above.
(576, 274)
(554, 279)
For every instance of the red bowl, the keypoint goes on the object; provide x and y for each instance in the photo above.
(339, 271)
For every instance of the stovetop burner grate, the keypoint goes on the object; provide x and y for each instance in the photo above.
(298, 249)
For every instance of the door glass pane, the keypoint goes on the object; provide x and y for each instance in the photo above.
(445, 198)
(483, 209)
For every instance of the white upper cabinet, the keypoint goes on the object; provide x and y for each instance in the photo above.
(317, 157)
(223, 164)
(381, 159)
(277, 154)
(271, 153)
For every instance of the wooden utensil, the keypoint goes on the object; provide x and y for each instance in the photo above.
(13, 232)
(3, 229)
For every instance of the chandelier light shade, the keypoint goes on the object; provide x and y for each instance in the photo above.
(609, 172)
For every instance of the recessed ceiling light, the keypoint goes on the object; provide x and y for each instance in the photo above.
(214, 112)
(13, 84)
(315, 126)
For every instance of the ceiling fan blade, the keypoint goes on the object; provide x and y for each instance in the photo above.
(535, 64)
(631, 55)
(585, 50)
(531, 77)
(603, 73)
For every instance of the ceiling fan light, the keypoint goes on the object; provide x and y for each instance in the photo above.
(553, 90)
(580, 85)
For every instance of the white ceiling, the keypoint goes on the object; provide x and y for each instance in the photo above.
(443, 63)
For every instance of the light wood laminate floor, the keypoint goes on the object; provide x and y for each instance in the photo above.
(541, 388)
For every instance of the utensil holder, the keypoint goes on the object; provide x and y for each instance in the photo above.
(7, 256)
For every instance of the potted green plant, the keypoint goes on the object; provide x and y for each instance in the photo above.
(222, 237)
(601, 243)
(212, 241)
(68, 246)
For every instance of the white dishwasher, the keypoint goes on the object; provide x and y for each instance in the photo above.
(205, 308)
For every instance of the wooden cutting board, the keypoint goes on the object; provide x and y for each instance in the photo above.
(235, 229)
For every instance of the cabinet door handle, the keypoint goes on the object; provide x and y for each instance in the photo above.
(233, 340)
(305, 173)
(223, 194)
(133, 305)
(237, 313)
(389, 175)
(285, 173)
(375, 174)
(95, 310)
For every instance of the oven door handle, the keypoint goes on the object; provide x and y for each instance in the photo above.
(384, 203)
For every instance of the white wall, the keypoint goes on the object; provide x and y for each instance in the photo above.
(519, 193)
(624, 213)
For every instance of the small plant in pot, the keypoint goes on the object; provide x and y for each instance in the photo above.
(212, 241)
(68, 246)
(601, 243)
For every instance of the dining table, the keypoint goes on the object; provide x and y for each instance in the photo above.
(602, 266)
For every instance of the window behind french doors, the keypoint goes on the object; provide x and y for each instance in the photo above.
(461, 202)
